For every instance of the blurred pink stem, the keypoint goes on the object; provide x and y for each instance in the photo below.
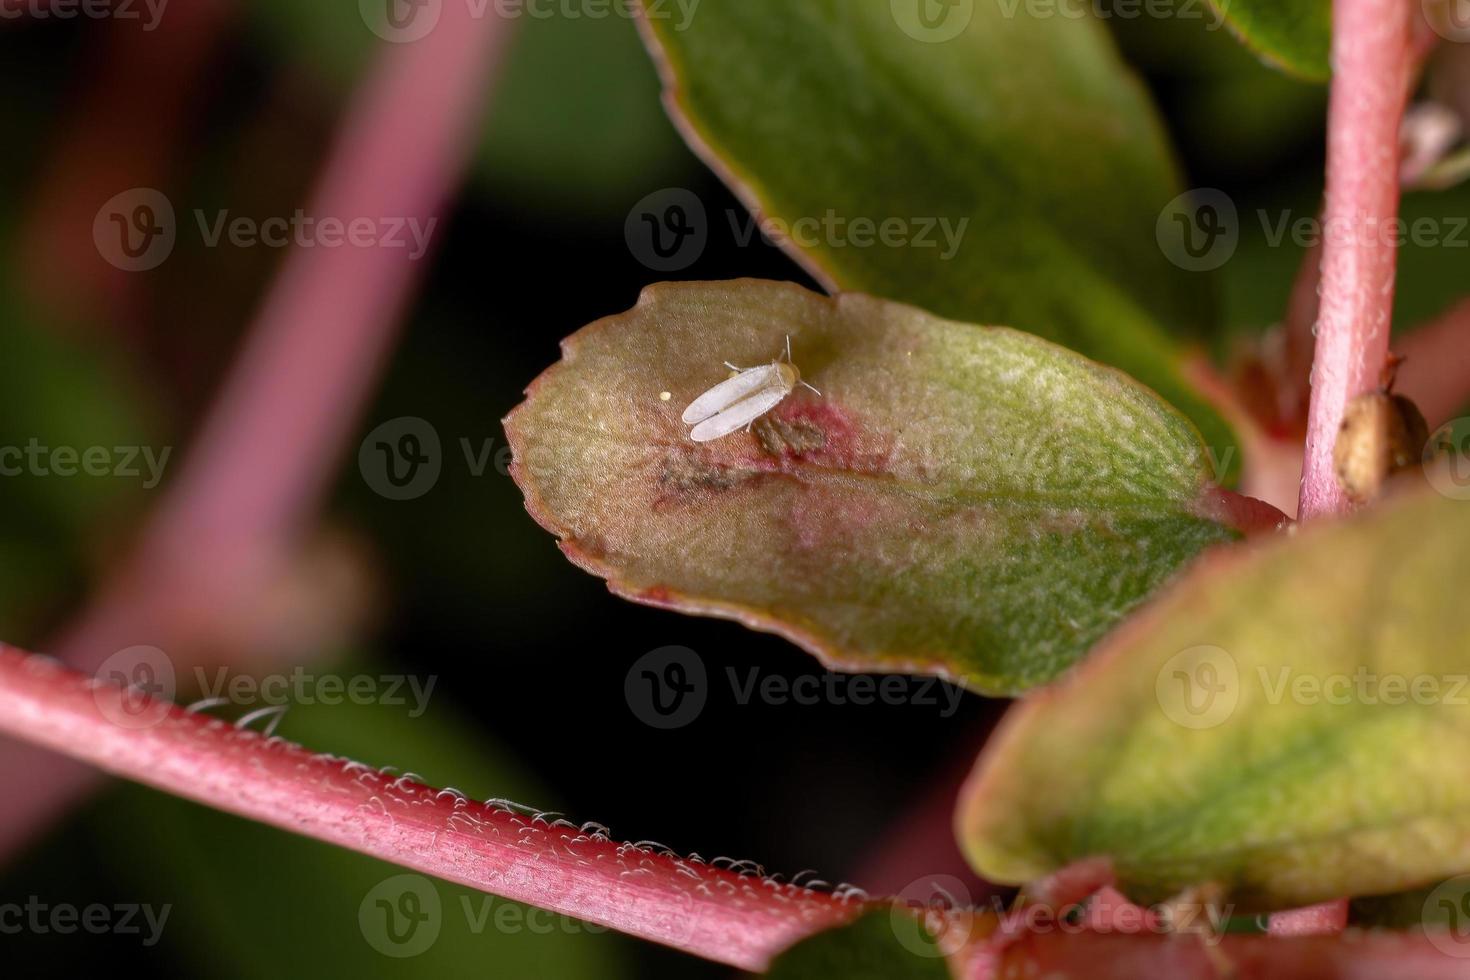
(275, 434)
(1371, 59)
(711, 912)
(1436, 368)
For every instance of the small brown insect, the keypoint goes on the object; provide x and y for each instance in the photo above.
(1381, 434)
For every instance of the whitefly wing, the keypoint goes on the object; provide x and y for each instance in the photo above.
(739, 414)
(728, 392)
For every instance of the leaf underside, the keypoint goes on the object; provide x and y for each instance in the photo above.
(965, 500)
(1293, 35)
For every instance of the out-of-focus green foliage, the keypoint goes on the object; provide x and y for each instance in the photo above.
(575, 121)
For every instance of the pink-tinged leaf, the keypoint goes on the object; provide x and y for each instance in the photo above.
(1285, 725)
(972, 501)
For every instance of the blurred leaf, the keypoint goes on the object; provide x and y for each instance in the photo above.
(574, 122)
(249, 898)
(1026, 135)
(1256, 728)
(1294, 35)
(867, 949)
(962, 499)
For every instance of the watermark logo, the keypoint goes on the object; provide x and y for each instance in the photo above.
(932, 21)
(135, 231)
(668, 230)
(401, 21)
(1450, 19)
(401, 459)
(667, 688)
(1199, 687)
(1105, 10)
(134, 688)
(148, 12)
(930, 916)
(43, 918)
(1199, 230)
(36, 458)
(1446, 917)
(1447, 459)
(401, 917)
(302, 687)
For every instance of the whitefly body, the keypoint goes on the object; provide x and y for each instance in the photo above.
(738, 401)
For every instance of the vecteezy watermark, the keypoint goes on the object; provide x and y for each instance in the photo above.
(134, 688)
(405, 21)
(402, 459)
(403, 916)
(1212, 14)
(98, 919)
(1446, 917)
(933, 21)
(1447, 459)
(123, 462)
(1199, 230)
(1202, 687)
(1306, 231)
(930, 916)
(668, 688)
(1106, 913)
(1450, 19)
(669, 230)
(836, 231)
(303, 687)
(137, 230)
(1198, 687)
(149, 12)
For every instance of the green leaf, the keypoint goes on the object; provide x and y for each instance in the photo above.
(965, 499)
(1293, 35)
(877, 946)
(1249, 730)
(247, 898)
(1025, 135)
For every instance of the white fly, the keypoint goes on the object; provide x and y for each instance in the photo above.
(740, 400)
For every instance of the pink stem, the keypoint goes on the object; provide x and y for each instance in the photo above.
(143, 88)
(712, 912)
(1371, 55)
(268, 445)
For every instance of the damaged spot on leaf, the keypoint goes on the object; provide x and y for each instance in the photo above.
(796, 437)
(890, 524)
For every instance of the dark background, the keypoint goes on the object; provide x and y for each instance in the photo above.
(529, 653)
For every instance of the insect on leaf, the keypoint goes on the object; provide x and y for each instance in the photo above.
(973, 501)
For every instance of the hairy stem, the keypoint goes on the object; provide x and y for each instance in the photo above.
(1372, 58)
(713, 912)
(274, 434)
